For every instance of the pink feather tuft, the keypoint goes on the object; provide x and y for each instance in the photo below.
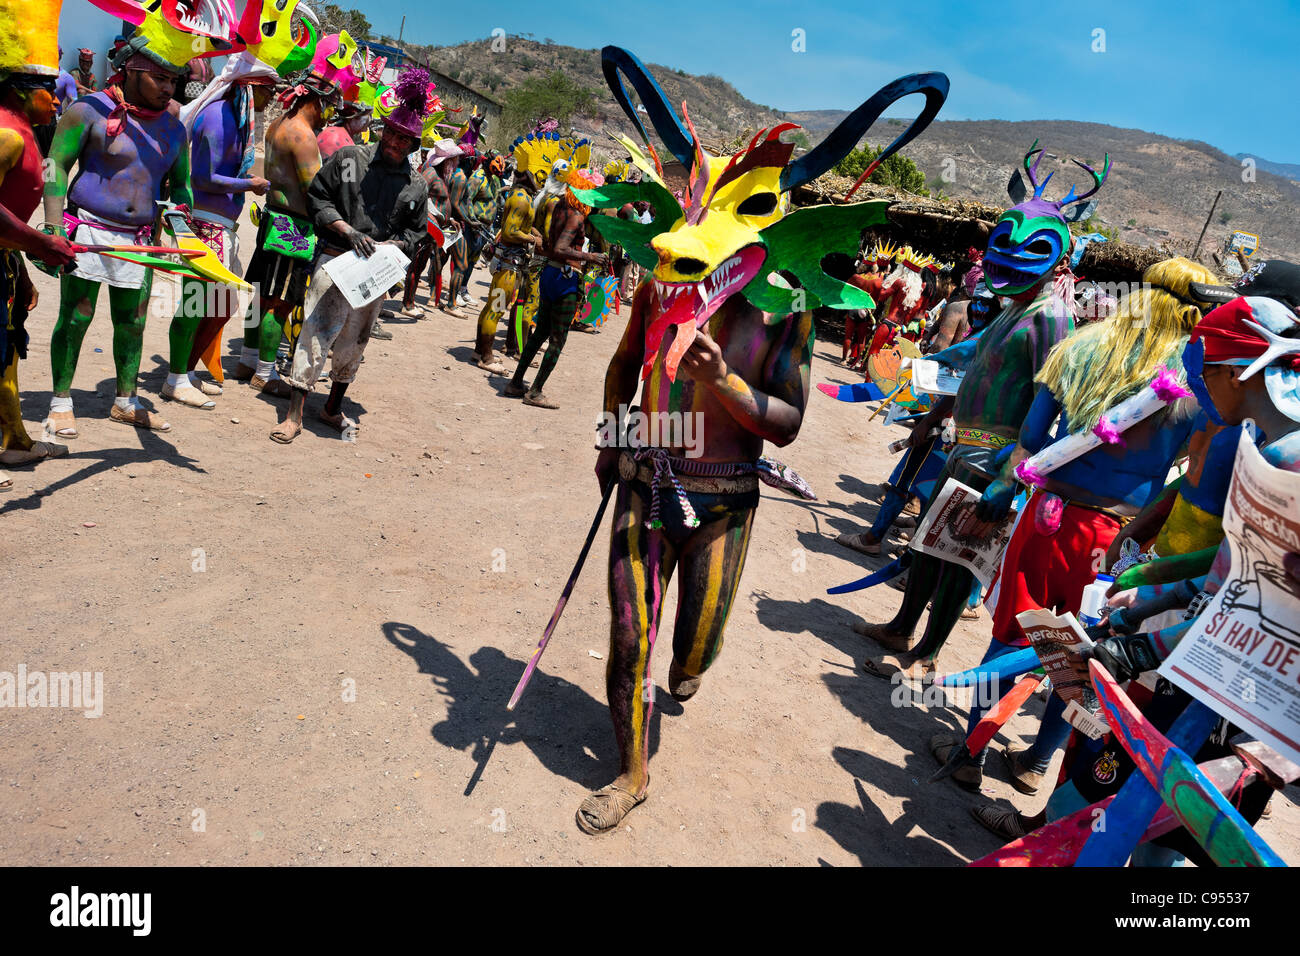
(1029, 475)
(1108, 433)
(1167, 387)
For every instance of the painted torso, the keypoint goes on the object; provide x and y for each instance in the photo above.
(755, 352)
(65, 89)
(999, 386)
(517, 217)
(1196, 519)
(216, 149)
(331, 139)
(284, 138)
(21, 190)
(121, 178)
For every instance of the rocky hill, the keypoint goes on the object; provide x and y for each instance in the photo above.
(1160, 189)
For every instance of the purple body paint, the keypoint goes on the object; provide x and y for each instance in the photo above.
(216, 151)
(118, 178)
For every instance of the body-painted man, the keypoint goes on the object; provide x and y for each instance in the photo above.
(990, 407)
(548, 198)
(430, 251)
(560, 287)
(744, 350)
(535, 155)
(28, 73)
(282, 262)
(363, 195)
(125, 144)
(220, 122)
(462, 214)
(1077, 508)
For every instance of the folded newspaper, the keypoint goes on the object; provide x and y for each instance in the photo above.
(1052, 637)
(1241, 656)
(943, 532)
(362, 281)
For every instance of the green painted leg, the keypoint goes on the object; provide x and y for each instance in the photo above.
(77, 298)
(184, 327)
(129, 310)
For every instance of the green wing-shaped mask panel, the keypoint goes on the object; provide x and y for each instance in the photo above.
(798, 242)
(634, 237)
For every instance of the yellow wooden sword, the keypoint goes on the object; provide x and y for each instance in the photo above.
(207, 264)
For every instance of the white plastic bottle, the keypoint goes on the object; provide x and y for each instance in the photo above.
(1094, 600)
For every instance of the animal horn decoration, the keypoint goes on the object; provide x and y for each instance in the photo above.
(844, 138)
(1034, 235)
(732, 233)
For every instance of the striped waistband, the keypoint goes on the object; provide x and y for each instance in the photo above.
(981, 438)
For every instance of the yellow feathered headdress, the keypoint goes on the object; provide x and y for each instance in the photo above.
(536, 153)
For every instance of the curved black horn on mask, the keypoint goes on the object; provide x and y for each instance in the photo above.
(615, 60)
(844, 138)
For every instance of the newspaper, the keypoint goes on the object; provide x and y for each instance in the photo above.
(934, 378)
(943, 532)
(362, 281)
(1052, 636)
(1241, 657)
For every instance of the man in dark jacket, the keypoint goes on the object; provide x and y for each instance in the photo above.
(362, 196)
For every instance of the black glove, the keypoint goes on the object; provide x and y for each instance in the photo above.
(1127, 657)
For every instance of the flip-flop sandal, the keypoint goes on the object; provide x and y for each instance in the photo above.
(6, 481)
(62, 431)
(538, 400)
(209, 388)
(856, 543)
(139, 418)
(275, 387)
(496, 367)
(39, 451)
(899, 643)
(188, 395)
(609, 805)
(342, 424)
(282, 437)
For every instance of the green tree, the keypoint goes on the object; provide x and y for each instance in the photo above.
(897, 171)
(538, 97)
(336, 18)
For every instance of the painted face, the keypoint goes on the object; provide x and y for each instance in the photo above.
(1023, 250)
(40, 104)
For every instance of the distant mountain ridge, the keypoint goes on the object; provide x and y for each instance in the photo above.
(1160, 188)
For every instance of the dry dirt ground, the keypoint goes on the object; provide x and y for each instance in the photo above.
(306, 650)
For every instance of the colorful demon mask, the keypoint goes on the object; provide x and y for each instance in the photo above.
(334, 58)
(173, 32)
(1032, 237)
(266, 30)
(537, 153)
(732, 233)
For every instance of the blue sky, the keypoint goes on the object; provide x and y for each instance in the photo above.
(1225, 73)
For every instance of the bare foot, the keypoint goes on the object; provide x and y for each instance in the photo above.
(491, 363)
(681, 684)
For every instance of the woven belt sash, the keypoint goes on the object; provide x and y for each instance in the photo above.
(655, 468)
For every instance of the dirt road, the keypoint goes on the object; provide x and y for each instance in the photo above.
(306, 650)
